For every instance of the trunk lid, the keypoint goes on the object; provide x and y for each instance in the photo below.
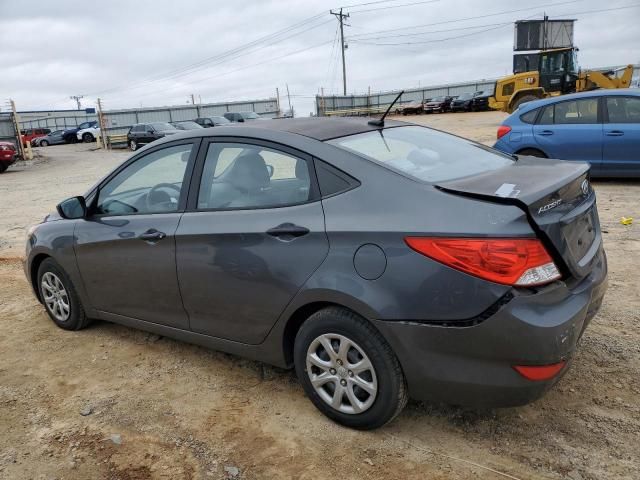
(558, 200)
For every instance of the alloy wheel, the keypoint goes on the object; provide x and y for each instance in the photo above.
(55, 296)
(341, 373)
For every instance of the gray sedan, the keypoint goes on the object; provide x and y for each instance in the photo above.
(53, 138)
(381, 261)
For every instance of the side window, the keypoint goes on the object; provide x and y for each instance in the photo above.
(547, 115)
(576, 112)
(623, 109)
(250, 176)
(151, 184)
(333, 181)
(530, 117)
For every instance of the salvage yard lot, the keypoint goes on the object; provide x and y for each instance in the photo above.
(112, 402)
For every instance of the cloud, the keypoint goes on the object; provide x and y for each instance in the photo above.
(123, 51)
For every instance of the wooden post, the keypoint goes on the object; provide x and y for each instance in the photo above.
(16, 126)
(103, 125)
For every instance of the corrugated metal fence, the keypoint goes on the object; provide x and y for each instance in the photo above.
(119, 121)
(327, 104)
(7, 130)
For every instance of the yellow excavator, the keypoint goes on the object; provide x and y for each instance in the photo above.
(555, 73)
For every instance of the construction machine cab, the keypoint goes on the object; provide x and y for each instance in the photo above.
(558, 70)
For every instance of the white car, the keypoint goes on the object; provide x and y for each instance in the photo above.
(88, 134)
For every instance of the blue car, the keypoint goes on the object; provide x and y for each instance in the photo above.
(601, 127)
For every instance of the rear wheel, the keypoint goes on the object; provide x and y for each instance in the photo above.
(523, 99)
(532, 152)
(59, 296)
(3, 167)
(133, 146)
(348, 370)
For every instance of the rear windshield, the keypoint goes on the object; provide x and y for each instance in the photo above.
(163, 127)
(424, 154)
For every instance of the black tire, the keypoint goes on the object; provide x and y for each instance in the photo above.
(133, 146)
(3, 167)
(44, 143)
(391, 395)
(87, 138)
(532, 152)
(77, 319)
(523, 99)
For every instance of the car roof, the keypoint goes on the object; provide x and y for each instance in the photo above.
(321, 128)
(572, 96)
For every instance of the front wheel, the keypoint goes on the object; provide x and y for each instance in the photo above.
(59, 296)
(348, 370)
(133, 146)
(87, 138)
(44, 143)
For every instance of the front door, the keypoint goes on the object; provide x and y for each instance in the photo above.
(126, 247)
(255, 235)
(621, 148)
(571, 130)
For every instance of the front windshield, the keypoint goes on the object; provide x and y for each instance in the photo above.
(438, 99)
(162, 127)
(249, 115)
(220, 120)
(424, 154)
(465, 96)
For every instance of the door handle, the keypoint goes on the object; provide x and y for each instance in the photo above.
(152, 235)
(614, 133)
(287, 230)
(546, 133)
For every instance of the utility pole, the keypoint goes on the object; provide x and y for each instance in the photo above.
(16, 125)
(101, 122)
(193, 99)
(341, 16)
(77, 99)
(289, 100)
(278, 101)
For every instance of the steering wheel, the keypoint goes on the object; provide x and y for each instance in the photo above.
(151, 203)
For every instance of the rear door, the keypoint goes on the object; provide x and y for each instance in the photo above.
(621, 147)
(571, 130)
(252, 236)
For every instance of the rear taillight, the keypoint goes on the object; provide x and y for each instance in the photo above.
(539, 372)
(503, 130)
(522, 262)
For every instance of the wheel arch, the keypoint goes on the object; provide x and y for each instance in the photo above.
(33, 272)
(302, 312)
(524, 149)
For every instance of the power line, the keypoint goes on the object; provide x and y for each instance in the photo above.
(444, 22)
(393, 6)
(365, 42)
(271, 39)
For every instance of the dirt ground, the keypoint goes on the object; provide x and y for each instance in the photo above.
(116, 403)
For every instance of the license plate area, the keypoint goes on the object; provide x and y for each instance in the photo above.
(580, 234)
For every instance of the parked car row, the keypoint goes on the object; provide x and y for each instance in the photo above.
(466, 102)
(144, 133)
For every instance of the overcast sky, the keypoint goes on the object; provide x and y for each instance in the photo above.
(154, 53)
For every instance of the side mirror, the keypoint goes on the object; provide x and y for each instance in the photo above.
(270, 170)
(71, 208)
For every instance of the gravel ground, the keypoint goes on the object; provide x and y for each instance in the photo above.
(112, 402)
